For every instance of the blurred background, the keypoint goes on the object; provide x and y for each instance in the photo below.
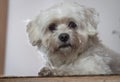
(22, 59)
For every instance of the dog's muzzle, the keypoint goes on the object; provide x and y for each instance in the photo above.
(64, 37)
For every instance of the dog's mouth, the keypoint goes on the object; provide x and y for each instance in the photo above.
(65, 46)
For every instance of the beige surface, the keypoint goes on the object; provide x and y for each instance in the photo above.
(109, 78)
(3, 21)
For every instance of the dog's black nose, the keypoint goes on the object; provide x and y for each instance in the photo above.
(64, 37)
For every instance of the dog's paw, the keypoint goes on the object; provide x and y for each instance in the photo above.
(45, 71)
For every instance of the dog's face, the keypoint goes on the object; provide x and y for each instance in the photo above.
(63, 29)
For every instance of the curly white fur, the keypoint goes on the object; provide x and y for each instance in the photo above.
(84, 54)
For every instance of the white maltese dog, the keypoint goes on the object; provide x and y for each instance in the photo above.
(66, 34)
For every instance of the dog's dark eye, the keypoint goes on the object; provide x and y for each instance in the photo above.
(52, 27)
(72, 24)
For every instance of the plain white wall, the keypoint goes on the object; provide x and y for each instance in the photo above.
(23, 59)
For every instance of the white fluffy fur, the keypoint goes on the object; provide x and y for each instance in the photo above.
(86, 56)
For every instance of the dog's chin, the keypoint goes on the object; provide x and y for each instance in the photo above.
(65, 48)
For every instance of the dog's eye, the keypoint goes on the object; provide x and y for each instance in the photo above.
(52, 27)
(72, 24)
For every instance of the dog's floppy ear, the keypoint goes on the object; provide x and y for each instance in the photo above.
(91, 19)
(33, 32)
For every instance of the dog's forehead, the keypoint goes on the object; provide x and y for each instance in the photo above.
(63, 10)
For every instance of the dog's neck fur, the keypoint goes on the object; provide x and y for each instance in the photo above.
(93, 41)
(58, 60)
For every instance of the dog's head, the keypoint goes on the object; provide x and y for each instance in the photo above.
(64, 28)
